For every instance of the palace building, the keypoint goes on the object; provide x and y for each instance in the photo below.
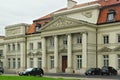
(69, 40)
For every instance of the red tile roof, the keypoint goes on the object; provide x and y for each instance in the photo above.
(109, 2)
(103, 13)
(48, 18)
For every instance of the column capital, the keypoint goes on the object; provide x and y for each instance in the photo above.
(85, 32)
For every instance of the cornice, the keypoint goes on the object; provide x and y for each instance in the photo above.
(80, 9)
(21, 24)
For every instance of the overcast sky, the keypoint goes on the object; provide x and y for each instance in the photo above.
(25, 11)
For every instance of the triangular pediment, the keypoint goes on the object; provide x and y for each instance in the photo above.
(61, 22)
(105, 49)
(117, 48)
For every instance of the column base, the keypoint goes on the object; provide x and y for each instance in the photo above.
(69, 70)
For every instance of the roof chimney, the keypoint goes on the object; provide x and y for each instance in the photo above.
(71, 3)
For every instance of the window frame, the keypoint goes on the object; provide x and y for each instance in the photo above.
(111, 15)
(106, 39)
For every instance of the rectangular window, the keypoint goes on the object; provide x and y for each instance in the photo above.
(65, 40)
(18, 46)
(39, 45)
(110, 17)
(51, 62)
(52, 41)
(8, 48)
(31, 46)
(119, 61)
(31, 63)
(14, 63)
(13, 47)
(18, 63)
(105, 60)
(1, 52)
(79, 39)
(106, 39)
(9, 63)
(40, 62)
(79, 61)
(118, 38)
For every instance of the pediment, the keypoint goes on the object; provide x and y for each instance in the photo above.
(117, 48)
(105, 49)
(61, 22)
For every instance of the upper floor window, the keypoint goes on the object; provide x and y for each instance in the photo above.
(65, 40)
(51, 41)
(118, 37)
(38, 26)
(13, 47)
(39, 45)
(111, 15)
(79, 38)
(31, 46)
(1, 52)
(18, 46)
(106, 39)
(8, 47)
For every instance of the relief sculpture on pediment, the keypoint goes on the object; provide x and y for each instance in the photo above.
(61, 23)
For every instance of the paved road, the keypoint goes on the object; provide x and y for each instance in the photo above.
(83, 77)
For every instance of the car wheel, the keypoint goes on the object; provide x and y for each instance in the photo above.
(93, 73)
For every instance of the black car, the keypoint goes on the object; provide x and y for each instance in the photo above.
(93, 71)
(32, 72)
(1, 70)
(108, 70)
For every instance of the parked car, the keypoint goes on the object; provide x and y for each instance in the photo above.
(93, 71)
(108, 70)
(32, 72)
(1, 70)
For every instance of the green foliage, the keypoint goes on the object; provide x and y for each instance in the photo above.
(30, 78)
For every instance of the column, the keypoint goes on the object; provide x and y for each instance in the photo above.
(16, 56)
(5, 61)
(84, 50)
(56, 54)
(22, 53)
(69, 54)
(44, 63)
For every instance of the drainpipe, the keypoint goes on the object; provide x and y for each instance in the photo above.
(96, 48)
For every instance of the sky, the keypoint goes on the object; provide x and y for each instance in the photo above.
(25, 11)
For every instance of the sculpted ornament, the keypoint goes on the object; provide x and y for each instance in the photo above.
(61, 23)
(87, 14)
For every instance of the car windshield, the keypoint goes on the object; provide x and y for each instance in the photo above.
(29, 69)
(90, 69)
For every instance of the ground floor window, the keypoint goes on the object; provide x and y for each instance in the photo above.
(51, 62)
(40, 62)
(31, 62)
(9, 63)
(105, 60)
(119, 61)
(79, 61)
(14, 63)
(19, 63)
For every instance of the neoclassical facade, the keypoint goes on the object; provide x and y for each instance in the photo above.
(69, 40)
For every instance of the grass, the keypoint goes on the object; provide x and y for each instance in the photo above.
(30, 78)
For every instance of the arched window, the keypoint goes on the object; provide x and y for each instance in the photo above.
(111, 15)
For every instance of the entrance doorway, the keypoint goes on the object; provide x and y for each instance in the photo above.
(64, 63)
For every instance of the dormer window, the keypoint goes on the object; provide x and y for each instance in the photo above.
(111, 15)
(38, 26)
